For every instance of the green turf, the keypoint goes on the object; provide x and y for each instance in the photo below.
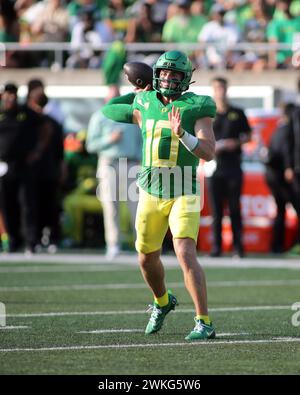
(211, 358)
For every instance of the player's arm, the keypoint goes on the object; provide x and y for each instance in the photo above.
(205, 148)
(118, 112)
(124, 99)
(124, 113)
(121, 108)
(202, 144)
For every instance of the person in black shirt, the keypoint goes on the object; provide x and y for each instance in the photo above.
(279, 177)
(50, 168)
(294, 174)
(19, 149)
(231, 130)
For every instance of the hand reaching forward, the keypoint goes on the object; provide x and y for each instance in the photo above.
(175, 121)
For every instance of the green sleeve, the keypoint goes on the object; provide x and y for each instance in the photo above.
(118, 112)
(205, 107)
(125, 99)
(209, 108)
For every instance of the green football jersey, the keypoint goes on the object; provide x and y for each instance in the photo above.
(168, 168)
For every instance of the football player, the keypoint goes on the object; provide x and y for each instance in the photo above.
(177, 131)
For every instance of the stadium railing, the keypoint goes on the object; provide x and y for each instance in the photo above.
(59, 48)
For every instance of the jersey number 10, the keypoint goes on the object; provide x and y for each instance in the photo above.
(160, 151)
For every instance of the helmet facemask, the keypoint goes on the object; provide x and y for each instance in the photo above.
(174, 61)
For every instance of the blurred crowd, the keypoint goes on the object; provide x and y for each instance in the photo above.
(217, 24)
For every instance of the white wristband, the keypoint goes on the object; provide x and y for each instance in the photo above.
(189, 141)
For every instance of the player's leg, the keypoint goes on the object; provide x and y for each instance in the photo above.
(184, 223)
(194, 277)
(153, 272)
(151, 227)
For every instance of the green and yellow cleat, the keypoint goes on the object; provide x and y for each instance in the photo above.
(201, 331)
(159, 313)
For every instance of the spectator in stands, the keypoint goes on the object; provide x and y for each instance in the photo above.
(9, 31)
(88, 31)
(51, 23)
(232, 130)
(279, 176)
(152, 13)
(141, 27)
(76, 7)
(285, 29)
(28, 10)
(9, 26)
(199, 7)
(112, 141)
(118, 17)
(243, 11)
(254, 31)
(183, 27)
(220, 35)
(50, 171)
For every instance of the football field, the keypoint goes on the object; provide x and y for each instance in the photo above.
(77, 314)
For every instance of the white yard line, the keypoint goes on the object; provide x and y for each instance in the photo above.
(7, 327)
(133, 312)
(131, 259)
(100, 331)
(155, 345)
(141, 285)
(58, 269)
(104, 331)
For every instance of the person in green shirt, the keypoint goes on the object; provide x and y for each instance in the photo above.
(284, 30)
(177, 131)
(183, 27)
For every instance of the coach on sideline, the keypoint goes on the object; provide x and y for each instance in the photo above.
(232, 130)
